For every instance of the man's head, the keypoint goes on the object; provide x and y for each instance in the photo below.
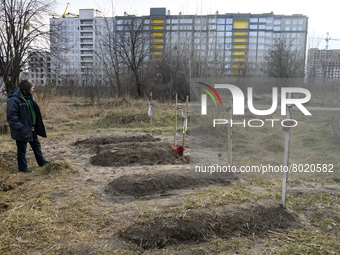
(26, 86)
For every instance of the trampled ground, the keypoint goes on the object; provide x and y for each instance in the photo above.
(130, 193)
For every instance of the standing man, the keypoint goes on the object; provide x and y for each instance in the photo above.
(25, 121)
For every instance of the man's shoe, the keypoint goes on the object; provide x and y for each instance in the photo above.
(46, 162)
(26, 171)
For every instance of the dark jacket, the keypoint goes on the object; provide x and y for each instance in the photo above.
(19, 118)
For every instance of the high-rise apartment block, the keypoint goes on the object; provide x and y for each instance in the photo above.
(74, 40)
(323, 65)
(39, 67)
(235, 40)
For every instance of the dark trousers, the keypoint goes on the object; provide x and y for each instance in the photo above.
(36, 147)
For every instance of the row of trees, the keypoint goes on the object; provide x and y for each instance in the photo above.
(123, 58)
(22, 30)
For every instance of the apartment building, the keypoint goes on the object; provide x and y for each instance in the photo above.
(235, 40)
(74, 42)
(39, 67)
(323, 64)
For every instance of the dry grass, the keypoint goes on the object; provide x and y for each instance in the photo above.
(31, 220)
(32, 217)
(46, 213)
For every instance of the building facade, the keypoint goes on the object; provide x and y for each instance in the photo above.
(39, 67)
(236, 41)
(74, 41)
(323, 65)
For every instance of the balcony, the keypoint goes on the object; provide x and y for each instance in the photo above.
(86, 52)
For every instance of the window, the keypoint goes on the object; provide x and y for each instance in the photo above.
(220, 21)
(229, 27)
(287, 28)
(277, 22)
(262, 20)
(253, 20)
(229, 21)
(287, 21)
(220, 27)
(277, 28)
(253, 26)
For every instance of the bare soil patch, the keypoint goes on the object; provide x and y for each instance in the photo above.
(132, 150)
(157, 183)
(200, 225)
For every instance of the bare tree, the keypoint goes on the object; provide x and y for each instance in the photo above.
(22, 29)
(283, 62)
(109, 57)
(132, 47)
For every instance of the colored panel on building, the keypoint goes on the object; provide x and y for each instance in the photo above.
(241, 24)
(238, 33)
(157, 21)
(157, 27)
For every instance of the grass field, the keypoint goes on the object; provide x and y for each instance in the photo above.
(71, 206)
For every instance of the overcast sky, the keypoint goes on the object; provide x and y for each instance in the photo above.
(323, 16)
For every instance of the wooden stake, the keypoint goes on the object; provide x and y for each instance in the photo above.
(175, 120)
(286, 156)
(150, 101)
(186, 119)
(229, 133)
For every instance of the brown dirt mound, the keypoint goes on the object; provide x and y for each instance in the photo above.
(117, 139)
(125, 150)
(143, 153)
(200, 225)
(157, 183)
